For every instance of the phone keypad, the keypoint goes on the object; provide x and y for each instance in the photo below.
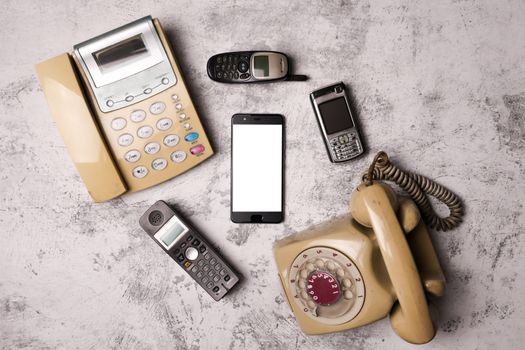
(345, 146)
(148, 130)
(232, 67)
(204, 266)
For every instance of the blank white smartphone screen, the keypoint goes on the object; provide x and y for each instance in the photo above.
(257, 152)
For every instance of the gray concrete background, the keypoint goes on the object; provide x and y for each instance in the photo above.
(438, 85)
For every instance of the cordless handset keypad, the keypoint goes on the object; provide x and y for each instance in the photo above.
(189, 249)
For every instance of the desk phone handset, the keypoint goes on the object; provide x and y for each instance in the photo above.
(189, 249)
(250, 67)
(122, 107)
(380, 261)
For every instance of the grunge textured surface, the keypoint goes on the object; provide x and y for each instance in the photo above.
(438, 85)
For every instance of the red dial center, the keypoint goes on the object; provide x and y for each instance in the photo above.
(323, 288)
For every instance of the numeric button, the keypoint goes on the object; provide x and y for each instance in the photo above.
(159, 164)
(118, 123)
(125, 140)
(152, 148)
(132, 156)
(171, 140)
(164, 124)
(140, 171)
(137, 116)
(145, 132)
(157, 108)
(178, 156)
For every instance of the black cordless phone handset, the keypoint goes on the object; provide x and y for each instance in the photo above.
(189, 249)
(250, 67)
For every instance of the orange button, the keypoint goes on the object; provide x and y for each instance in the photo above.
(187, 264)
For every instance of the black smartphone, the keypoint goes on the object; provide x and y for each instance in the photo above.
(257, 168)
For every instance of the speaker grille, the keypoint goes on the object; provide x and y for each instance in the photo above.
(156, 218)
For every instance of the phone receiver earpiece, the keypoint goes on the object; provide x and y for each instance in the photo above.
(375, 205)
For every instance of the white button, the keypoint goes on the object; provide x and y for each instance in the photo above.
(191, 253)
(165, 81)
(157, 108)
(159, 164)
(178, 156)
(152, 148)
(174, 97)
(140, 172)
(110, 103)
(178, 106)
(182, 116)
(347, 283)
(164, 124)
(137, 116)
(132, 156)
(145, 132)
(125, 140)
(147, 91)
(311, 304)
(348, 294)
(118, 123)
(129, 98)
(171, 140)
(187, 126)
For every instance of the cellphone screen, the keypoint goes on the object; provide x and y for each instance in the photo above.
(336, 116)
(257, 151)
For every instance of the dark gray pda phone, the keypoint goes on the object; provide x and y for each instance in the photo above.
(338, 128)
(189, 249)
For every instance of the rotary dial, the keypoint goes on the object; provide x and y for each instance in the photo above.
(328, 285)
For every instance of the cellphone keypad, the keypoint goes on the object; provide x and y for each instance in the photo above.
(232, 67)
(345, 146)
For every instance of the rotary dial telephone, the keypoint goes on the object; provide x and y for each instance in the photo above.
(378, 261)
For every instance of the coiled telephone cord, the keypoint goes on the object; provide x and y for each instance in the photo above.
(417, 186)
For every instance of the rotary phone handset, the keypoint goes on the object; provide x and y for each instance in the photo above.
(374, 205)
(417, 186)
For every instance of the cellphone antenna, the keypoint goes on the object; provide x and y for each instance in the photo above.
(298, 77)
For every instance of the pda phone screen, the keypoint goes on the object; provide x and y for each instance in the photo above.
(257, 151)
(335, 115)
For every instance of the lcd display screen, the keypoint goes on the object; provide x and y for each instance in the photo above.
(121, 52)
(261, 66)
(169, 233)
(257, 151)
(336, 116)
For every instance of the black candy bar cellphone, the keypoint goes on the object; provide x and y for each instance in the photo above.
(250, 67)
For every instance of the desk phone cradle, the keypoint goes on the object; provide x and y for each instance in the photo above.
(122, 107)
(189, 249)
(380, 260)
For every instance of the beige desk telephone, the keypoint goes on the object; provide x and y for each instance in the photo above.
(123, 109)
(378, 261)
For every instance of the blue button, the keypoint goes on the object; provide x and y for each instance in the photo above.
(192, 136)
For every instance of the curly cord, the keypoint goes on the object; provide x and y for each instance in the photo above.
(417, 186)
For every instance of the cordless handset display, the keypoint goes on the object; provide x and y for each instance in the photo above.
(339, 130)
(189, 249)
(250, 67)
